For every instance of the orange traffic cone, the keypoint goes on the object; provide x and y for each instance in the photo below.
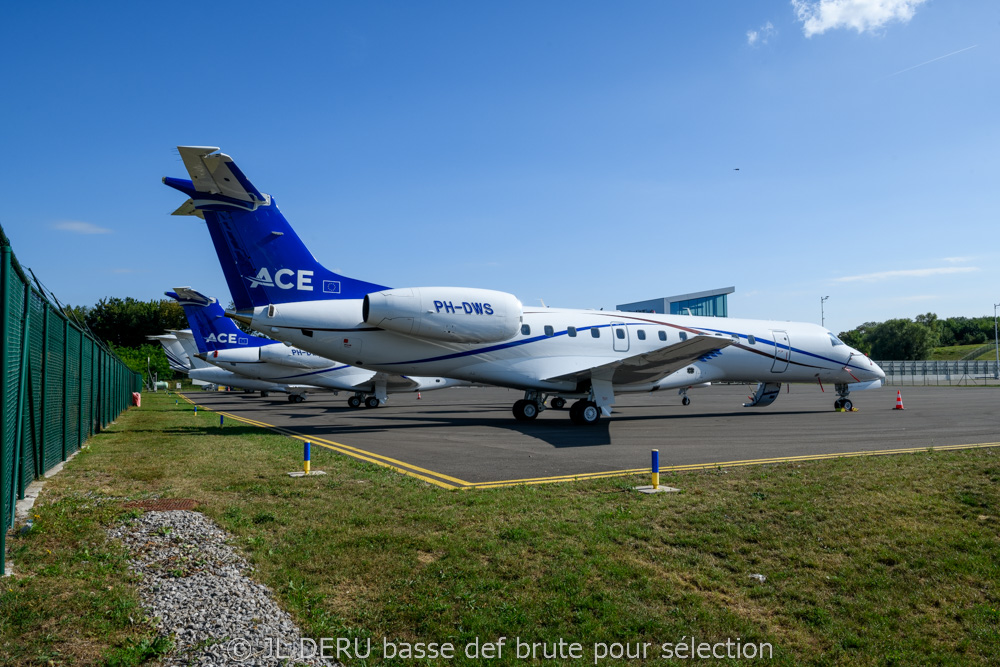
(899, 401)
(418, 395)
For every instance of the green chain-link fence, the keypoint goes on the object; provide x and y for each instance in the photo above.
(58, 386)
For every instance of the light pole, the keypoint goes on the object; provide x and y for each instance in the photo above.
(996, 342)
(822, 314)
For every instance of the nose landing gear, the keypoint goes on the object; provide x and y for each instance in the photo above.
(843, 403)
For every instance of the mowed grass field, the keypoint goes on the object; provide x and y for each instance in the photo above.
(880, 561)
(956, 352)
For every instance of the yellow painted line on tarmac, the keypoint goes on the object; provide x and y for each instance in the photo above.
(361, 454)
(455, 483)
(729, 464)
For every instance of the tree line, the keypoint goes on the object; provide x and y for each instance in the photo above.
(910, 340)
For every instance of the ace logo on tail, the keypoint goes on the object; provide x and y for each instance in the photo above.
(283, 279)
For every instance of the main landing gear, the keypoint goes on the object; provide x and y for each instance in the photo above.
(296, 398)
(359, 398)
(843, 403)
(583, 412)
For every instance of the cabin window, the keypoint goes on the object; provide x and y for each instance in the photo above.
(549, 331)
(640, 334)
(751, 339)
(662, 334)
(620, 333)
(595, 332)
(684, 335)
(526, 329)
(571, 332)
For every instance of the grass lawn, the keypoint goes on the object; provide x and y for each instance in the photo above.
(956, 352)
(883, 560)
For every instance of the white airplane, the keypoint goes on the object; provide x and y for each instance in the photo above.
(205, 373)
(222, 344)
(486, 336)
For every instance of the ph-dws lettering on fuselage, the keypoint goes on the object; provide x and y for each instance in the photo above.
(464, 307)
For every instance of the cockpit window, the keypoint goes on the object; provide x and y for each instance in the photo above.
(835, 341)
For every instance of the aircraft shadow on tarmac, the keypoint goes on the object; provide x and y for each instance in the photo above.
(555, 430)
(552, 427)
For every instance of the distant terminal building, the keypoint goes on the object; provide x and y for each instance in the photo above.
(711, 303)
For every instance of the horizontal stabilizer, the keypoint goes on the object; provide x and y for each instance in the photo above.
(188, 208)
(187, 296)
(217, 174)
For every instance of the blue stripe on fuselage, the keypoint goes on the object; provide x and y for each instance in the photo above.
(789, 348)
(493, 348)
(534, 339)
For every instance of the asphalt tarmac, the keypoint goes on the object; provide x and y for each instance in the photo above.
(465, 437)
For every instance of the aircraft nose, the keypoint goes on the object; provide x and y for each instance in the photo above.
(869, 367)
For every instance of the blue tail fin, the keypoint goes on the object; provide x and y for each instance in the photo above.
(211, 328)
(262, 257)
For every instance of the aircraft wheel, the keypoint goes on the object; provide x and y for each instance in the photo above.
(846, 404)
(525, 410)
(371, 402)
(686, 401)
(837, 404)
(558, 403)
(585, 413)
(263, 394)
(354, 402)
(291, 398)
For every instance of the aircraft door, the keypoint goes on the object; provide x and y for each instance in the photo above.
(782, 351)
(619, 336)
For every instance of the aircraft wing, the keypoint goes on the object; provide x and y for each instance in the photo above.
(652, 366)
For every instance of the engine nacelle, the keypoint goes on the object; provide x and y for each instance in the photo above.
(292, 356)
(453, 314)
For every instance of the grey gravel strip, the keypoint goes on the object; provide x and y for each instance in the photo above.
(195, 586)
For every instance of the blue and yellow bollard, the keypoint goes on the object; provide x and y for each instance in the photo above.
(195, 410)
(305, 456)
(220, 421)
(656, 469)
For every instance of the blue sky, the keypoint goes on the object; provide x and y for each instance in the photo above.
(576, 152)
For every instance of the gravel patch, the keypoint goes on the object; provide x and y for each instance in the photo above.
(197, 589)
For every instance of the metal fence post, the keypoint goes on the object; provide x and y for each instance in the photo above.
(40, 456)
(22, 389)
(5, 473)
(80, 430)
(65, 387)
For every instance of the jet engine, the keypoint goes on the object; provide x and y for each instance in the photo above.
(452, 314)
